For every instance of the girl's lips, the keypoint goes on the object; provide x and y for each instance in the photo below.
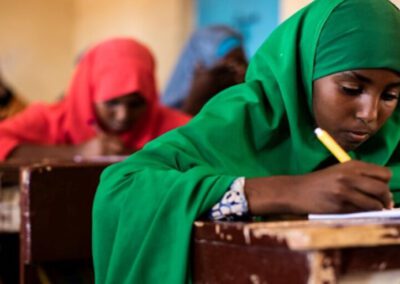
(357, 137)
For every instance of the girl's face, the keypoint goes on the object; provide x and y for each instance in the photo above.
(353, 105)
(119, 115)
(236, 62)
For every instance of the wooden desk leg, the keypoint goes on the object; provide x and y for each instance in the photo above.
(323, 267)
(29, 275)
(9, 258)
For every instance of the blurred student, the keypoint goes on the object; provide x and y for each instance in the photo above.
(10, 103)
(110, 108)
(212, 60)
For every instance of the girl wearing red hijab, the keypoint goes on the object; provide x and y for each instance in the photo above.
(111, 108)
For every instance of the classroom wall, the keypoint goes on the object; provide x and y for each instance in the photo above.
(396, 2)
(36, 46)
(40, 39)
(254, 19)
(289, 7)
(163, 25)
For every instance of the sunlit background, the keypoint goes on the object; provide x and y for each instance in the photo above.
(41, 39)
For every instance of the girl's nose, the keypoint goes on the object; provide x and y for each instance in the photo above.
(368, 109)
(121, 113)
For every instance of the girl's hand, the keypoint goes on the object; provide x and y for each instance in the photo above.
(102, 144)
(347, 187)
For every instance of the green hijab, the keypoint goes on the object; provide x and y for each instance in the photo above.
(145, 206)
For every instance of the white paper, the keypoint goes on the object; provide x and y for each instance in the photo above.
(391, 213)
(100, 159)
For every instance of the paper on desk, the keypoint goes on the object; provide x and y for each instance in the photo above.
(392, 213)
(100, 159)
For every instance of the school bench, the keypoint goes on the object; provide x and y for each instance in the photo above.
(345, 251)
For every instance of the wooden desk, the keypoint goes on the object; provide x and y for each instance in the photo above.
(352, 251)
(55, 233)
(9, 222)
(10, 216)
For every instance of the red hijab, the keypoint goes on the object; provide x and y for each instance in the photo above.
(109, 70)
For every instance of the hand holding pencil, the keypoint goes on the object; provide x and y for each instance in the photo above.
(342, 156)
(349, 186)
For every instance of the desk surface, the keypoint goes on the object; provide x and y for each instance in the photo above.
(10, 170)
(293, 251)
(304, 235)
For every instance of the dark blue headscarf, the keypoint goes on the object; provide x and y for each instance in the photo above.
(206, 46)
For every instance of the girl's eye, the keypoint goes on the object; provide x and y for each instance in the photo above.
(353, 91)
(111, 103)
(390, 96)
(137, 104)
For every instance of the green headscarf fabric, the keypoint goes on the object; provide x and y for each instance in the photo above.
(145, 206)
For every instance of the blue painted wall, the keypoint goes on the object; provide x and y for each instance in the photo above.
(255, 19)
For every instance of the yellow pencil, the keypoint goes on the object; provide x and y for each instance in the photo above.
(331, 145)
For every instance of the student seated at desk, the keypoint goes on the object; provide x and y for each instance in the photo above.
(252, 148)
(212, 60)
(111, 108)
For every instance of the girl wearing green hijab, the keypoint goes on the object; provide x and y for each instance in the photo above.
(334, 64)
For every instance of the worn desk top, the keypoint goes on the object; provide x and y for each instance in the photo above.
(10, 170)
(304, 235)
(296, 251)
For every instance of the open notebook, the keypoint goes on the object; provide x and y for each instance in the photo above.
(392, 213)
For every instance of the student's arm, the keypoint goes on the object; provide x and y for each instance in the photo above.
(347, 187)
